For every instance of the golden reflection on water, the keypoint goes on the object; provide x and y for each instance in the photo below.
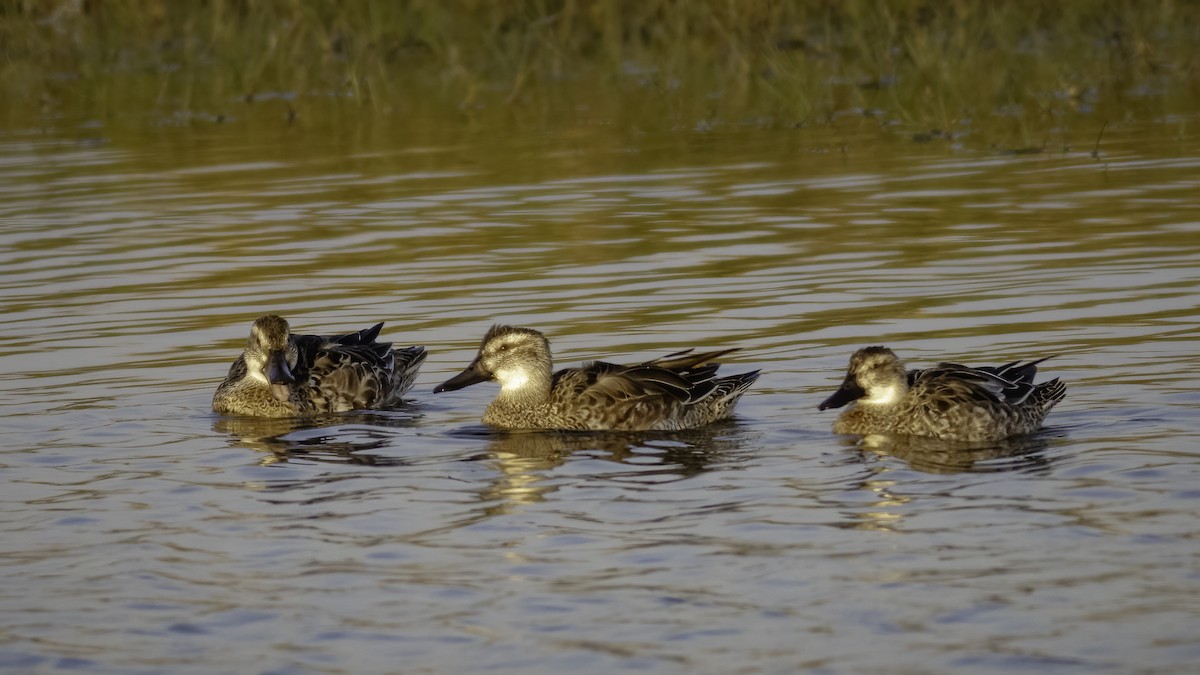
(525, 461)
(885, 513)
(1025, 454)
(935, 455)
(339, 439)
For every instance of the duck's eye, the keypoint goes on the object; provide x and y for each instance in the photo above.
(504, 347)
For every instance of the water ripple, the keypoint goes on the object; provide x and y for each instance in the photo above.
(353, 542)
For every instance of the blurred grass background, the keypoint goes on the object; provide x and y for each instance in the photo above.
(931, 69)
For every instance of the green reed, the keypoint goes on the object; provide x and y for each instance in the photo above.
(936, 69)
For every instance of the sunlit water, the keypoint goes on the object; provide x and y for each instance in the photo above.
(142, 533)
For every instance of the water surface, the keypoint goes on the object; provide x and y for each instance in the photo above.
(145, 534)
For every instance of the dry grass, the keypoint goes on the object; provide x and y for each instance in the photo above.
(934, 68)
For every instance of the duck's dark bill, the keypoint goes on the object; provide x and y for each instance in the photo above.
(849, 391)
(472, 375)
(277, 370)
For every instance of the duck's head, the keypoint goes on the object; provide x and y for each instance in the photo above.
(875, 375)
(512, 356)
(271, 354)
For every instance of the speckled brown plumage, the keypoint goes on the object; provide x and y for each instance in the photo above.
(679, 391)
(949, 401)
(284, 375)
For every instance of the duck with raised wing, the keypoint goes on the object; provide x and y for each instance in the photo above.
(678, 391)
(280, 374)
(948, 401)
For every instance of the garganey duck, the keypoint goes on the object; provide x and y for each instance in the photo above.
(678, 391)
(948, 401)
(280, 374)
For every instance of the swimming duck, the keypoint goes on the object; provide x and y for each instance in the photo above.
(284, 375)
(678, 391)
(948, 401)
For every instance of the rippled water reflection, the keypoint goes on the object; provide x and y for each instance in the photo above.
(146, 534)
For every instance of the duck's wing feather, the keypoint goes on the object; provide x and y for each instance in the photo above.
(348, 378)
(357, 346)
(967, 384)
(687, 360)
(365, 336)
(599, 382)
(349, 371)
(680, 378)
(1016, 371)
(734, 386)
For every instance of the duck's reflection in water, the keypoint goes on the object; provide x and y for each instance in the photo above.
(343, 438)
(525, 461)
(933, 455)
(892, 491)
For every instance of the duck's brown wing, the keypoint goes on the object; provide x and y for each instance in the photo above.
(350, 371)
(953, 382)
(958, 402)
(684, 377)
(686, 360)
(609, 396)
(343, 379)
(1016, 371)
(357, 346)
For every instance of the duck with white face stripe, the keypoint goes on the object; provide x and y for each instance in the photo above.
(948, 401)
(680, 391)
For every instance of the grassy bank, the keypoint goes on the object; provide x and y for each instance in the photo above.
(934, 69)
